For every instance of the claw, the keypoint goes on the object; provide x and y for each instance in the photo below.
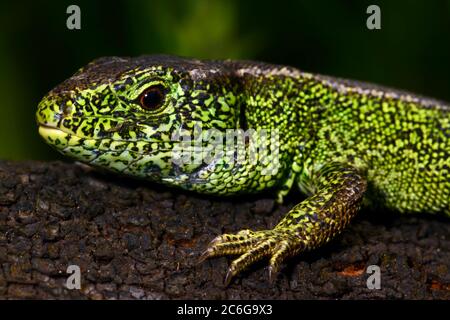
(230, 275)
(205, 255)
(272, 274)
(215, 241)
(245, 232)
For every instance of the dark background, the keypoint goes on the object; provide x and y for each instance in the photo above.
(37, 51)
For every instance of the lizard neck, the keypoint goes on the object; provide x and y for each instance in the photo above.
(282, 99)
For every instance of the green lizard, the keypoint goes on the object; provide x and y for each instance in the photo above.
(339, 141)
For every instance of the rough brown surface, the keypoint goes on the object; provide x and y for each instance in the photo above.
(133, 240)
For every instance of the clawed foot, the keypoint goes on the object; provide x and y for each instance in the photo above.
(252, 247)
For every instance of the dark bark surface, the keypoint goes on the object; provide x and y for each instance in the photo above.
(133, 240)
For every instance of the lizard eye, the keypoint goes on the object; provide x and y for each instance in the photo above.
(152, 98)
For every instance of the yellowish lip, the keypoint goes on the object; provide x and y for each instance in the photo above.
(54, 136)
(46, 131)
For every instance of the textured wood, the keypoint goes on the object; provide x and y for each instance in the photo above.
(134, 240)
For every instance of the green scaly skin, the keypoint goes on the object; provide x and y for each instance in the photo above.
(339, 141)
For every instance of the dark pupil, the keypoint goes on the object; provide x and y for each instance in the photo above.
(152, 98)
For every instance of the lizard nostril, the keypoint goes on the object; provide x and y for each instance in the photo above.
(67, 108)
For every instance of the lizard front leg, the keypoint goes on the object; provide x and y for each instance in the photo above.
(337, 190)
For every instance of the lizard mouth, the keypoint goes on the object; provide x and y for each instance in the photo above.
(52, 134)
(47, 127)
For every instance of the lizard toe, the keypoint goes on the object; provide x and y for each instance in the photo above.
(252, 247)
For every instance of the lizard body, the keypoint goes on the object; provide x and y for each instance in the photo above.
(339, 141)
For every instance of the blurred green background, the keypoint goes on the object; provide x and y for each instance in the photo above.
(37, 51)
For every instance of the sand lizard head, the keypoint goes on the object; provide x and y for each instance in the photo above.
(122, 113)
